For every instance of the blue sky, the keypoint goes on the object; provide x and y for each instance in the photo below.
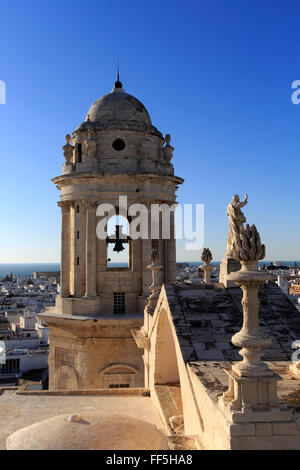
(216, 75)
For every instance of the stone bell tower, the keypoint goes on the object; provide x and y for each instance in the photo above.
(116, 152)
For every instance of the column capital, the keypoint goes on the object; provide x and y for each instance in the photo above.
(65, 205)
(89, 203)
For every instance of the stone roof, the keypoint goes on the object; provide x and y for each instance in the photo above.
(118, 110)
(207, 316)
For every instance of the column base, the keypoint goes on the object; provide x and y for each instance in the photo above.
(251, 393)
(228, 265)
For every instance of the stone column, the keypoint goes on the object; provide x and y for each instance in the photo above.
(146, 253)
(207, 268)
(90, 248)
(171, 255)
(155, 287)
(65, 248)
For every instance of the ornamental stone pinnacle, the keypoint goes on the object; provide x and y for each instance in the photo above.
(255, 383)
(206, 257)
(155, 267)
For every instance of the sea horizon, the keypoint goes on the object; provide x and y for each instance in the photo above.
(27, 269)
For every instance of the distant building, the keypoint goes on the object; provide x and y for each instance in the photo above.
(294, 289)
(283, 284)
(46, 274)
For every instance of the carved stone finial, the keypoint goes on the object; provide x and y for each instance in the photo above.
(154, 257)
(156, 285)
(167, 150)
(206, 256)
(168, 140)
(247, 245)
(247, 248)
(68, 149)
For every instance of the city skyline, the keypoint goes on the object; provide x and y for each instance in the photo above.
(217, 78)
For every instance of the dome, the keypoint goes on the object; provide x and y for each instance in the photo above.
(118, 110)
(119, 106)
(88, 431)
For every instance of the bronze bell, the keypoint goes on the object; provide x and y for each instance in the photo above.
(118, 245)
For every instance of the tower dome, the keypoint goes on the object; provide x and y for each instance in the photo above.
(119, 106)
(119, 110)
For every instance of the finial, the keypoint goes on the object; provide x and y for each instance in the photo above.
(68, 139)
(118, 84)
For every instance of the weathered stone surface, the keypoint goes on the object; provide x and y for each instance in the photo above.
(207, 310)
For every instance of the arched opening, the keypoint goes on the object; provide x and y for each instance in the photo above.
(66, 378)
(166, 375)
(118, 243)
(119, 376)
(165, 364)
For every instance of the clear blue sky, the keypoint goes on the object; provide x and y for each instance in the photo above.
(216, 75)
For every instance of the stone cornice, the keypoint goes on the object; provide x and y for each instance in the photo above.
(60, 180)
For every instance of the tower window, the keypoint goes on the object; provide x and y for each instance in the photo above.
(77, 209)
(79, 148)
(118, 243)
(77, 261)
(118, 144)
(77, 234)
(119, 302)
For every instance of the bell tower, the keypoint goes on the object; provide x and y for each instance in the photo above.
(115, 162)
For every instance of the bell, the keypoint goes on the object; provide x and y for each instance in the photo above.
(118, 246)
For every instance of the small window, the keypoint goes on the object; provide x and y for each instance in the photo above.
(119, 302)
(79, 148)
(118, 385)
(118, 144)
(77, 234)
(77, 209)
(77, 261)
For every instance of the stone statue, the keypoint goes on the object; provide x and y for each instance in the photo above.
(90, 142)
(68, 149)
(236, 220)
(91, 132)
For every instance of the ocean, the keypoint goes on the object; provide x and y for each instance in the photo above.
(27, 269)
